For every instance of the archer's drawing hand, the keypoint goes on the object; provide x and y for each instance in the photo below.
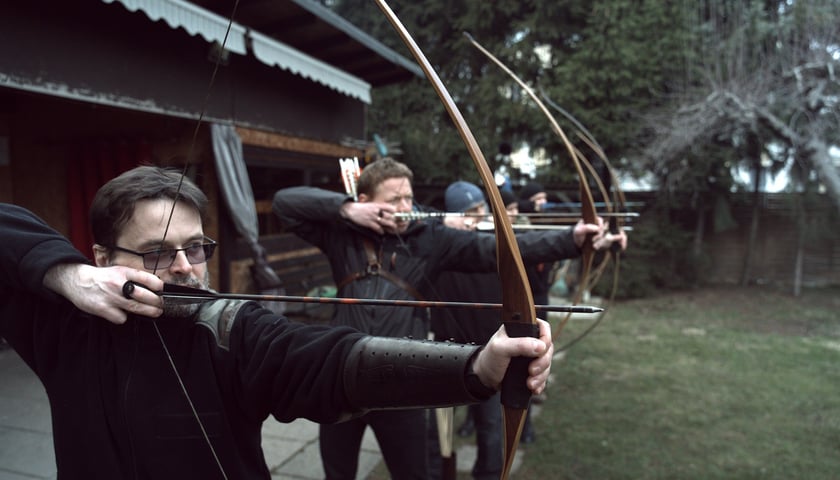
(491, 363)
(99, 290)
(376, 216)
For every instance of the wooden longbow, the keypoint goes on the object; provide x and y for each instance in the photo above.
(518, 314)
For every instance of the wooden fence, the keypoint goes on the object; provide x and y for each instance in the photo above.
(778, 249)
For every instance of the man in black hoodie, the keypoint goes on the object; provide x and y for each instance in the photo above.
(143, 389)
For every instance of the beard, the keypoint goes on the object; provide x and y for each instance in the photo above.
(174, 308)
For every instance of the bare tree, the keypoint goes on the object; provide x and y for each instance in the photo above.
(765, 73)
(772, 74)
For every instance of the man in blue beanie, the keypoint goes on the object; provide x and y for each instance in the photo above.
(463, 196)
(476, 326)
(485, 418)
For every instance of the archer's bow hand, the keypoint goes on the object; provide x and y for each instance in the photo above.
(99, 290)
(583, 231)
(607, 239)
(492, 362)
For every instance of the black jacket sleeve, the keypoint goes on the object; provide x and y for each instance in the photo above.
(547, 246)
(470, 251)
(30, 248)
(289, 369)
(328, 374)
(309, 212)
(32, 317)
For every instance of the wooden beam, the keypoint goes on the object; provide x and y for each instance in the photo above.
(265, 139)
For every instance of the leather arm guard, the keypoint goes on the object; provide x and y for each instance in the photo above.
(384, 373)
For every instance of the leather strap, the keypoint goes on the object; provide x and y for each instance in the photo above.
(374, 267)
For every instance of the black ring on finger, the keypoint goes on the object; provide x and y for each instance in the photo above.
(128, 289)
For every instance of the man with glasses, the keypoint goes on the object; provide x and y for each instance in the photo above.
(142, 389)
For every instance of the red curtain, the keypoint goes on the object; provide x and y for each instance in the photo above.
(94, 164)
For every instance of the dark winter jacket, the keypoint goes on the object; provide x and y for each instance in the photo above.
(467, 326)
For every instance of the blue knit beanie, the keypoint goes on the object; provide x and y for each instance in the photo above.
(462, 196)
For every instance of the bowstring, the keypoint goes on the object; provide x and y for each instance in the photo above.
(190, 151)
(424, 277)
(190, 402)
(446, 420)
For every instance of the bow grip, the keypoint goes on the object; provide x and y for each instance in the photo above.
(615, 247)
(515, 393)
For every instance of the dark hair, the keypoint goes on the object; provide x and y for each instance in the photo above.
(114, 202)
(530, 190)
(508, 197)
(379, 171)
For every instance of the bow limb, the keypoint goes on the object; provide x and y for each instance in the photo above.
(588, 211)
(620, 202)
(616, 205)
(605, 195)
(518, 312)
(619, 199)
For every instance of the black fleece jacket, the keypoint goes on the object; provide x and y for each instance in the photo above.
(118, 411)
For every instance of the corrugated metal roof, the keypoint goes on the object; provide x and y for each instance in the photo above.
(318, 31)
(213, 28)
(193, 19)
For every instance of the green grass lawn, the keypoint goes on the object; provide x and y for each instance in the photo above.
(724, 383)
(716, 383)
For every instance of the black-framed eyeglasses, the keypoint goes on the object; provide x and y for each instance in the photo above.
(164, 258)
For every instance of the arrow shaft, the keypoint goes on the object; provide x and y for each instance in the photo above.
(425, 215)
(364, 301)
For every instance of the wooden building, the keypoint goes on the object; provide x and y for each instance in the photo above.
(91, 88)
